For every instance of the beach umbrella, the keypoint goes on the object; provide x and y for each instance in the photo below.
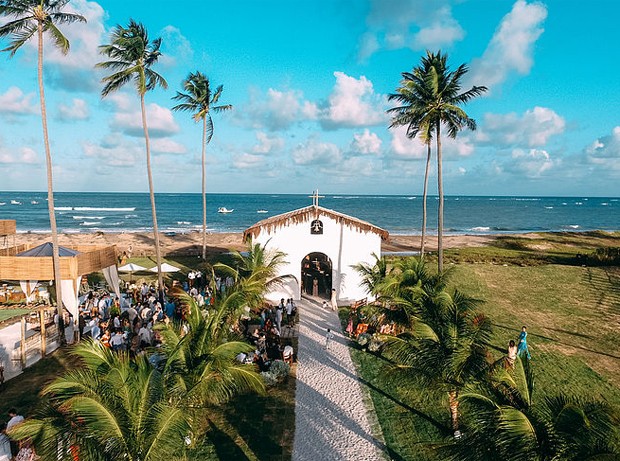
(131, 268)
(165, 267)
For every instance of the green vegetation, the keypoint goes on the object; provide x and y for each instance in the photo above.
(189, 399)
(430, 98)
(11, 313)
(199, 99)
(572, 315)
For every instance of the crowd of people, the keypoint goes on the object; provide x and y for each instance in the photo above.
(11, 450)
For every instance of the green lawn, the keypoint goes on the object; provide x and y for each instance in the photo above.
(10, 313)
(573, 319)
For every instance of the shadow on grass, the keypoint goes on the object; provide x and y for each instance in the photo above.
(224, 445)
(565, 343)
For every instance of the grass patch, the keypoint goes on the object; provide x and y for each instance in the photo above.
(22, 392)
(573, 317)
(9, 313)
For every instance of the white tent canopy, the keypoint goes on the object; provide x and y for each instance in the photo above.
(165, 267)
(70, 287)
(131, 267)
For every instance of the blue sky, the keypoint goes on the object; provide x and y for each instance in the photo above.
(308, 82)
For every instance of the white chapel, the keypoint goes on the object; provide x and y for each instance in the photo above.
(321, 248)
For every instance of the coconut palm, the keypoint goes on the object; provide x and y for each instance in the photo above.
(112, 407)
(256, 271)
(27, 18)
(200, 100)
(200, 368)
(132, 54)
(446, 347)
(502, 421)
(374, 276)
(430, 97)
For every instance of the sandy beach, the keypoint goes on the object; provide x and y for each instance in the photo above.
(141, 244)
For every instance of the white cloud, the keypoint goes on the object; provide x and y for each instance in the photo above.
(248, 161)
(25, 155)
(366, 143)
(75, 71)
(277, 110)
(160, 122)
(175, 47)
(114, 151)
(353, 103)
(512, 45)
(532, 129)
(14, 101)
(604, 153)
(315, 152)
(167, 146)
(417, 24)
(77, 110)
(414, 149)
(267, 144)
(606, 147)
(530, 163)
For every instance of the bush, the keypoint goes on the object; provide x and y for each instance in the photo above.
(609, 256)
(375, 345)
(364, 339)
(277, 373)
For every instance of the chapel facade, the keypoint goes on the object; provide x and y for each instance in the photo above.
(321, 248)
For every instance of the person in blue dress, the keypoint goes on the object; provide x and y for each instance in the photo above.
(522, 344)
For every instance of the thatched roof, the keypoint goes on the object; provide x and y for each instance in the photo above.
(306, 214)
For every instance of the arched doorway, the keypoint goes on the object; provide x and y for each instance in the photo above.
(316, 275)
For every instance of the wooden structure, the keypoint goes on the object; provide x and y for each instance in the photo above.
(8, 229)
(88, 259)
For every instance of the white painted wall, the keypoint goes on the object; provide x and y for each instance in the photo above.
(344, 245)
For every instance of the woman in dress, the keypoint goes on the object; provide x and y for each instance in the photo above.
(522, 341)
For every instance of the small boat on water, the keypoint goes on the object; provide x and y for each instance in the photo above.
(223, 209)
(2, 203)
(34, 202)
(15, 202)
(262, 211)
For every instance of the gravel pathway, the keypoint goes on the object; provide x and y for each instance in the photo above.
(330, 414)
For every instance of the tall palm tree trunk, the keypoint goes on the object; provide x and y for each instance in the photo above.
(50, 187)
(440, 211)
(204, 189)
(160, 280)
(428, 162)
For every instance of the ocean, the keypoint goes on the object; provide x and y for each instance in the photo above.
(177, 213)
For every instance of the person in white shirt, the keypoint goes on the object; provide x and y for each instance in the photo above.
(5, 444)
(15, 419)
(145, 336)
(116, 341)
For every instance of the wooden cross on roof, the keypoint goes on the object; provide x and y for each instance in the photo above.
(315, 197)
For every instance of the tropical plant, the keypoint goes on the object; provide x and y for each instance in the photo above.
(132, 55)
(502, 421)
(255, 271)
(373, 276)
(27, 18)
(430, 97)
(112, 407)
(200, 100)
(200, 367)
(445, 348)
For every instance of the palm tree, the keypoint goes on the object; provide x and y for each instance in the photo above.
(430, 97)
(200, 369)
(112, 407)
(502, 421)
(27, 17)
(446, 347)
(255, 271)
(199, 99)
(132, 55)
